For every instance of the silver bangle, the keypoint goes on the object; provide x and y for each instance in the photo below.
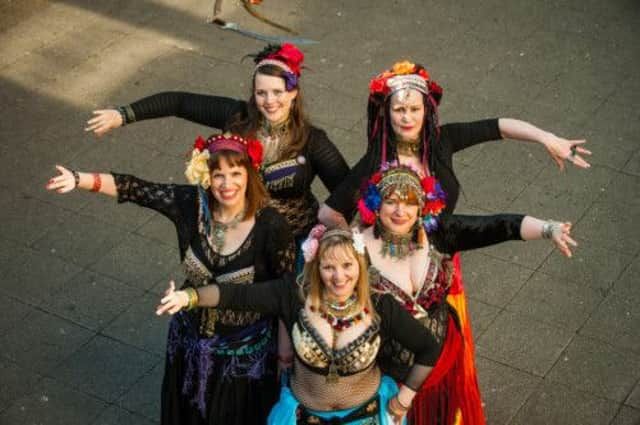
(548, 228)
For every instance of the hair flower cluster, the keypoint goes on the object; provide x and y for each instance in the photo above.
(405, 75)
(287, 57)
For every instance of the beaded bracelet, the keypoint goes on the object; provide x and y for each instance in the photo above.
(123, 115)
(76, 177)
(97, 182)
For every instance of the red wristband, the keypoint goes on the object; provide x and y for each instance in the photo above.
(97, 183)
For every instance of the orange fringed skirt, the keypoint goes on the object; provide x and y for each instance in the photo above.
(450, 395)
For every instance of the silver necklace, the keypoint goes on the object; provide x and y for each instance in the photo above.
(220, 230)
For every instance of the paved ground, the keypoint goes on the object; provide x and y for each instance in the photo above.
(558, 341)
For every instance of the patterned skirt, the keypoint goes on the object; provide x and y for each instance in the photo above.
(228, 379)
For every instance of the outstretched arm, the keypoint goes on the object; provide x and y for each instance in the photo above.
(559, 148)
(67, 180)
(212, 111)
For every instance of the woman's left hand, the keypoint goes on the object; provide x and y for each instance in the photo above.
(173, 301)
(561, 237)
(64, 182)
(561, 150)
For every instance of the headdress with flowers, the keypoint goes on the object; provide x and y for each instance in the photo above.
(431, 196)
(403, 75)
(285, 56)
(319, 233)
(198, 172)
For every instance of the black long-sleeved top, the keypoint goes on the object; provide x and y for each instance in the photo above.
(283, 297)
(288, 180)
(453, 138)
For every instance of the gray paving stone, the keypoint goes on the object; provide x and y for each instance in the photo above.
(52, 403)
(127, 216)
(616, 322)
(92, 300)
(114, 368)
(504, 390)
(37, 277)
(12, 313)
(612, 227)
(334, 107)
(634, 397)
(138, 261)
(627, 416)
(633, 165)
(80, 239)
(564, 196)
(592, 366)
(523, 343)
(626, 286)
(485, 194)
(159, 229)
(16, 383)
(140, 327)
(556, 301)
(559, 404)
(530, 254)
(115, 415)
(42, 341)
(591, 267)
(622, 190)
(491, 280)
(25, 218)
(176, 274)
(481, 315)
(144, 396)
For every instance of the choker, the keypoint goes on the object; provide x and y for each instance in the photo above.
(408, 148)
(275, 131)
(397, 246)
(340, 306)
(220, 230)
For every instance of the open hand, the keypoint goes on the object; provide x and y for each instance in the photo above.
(64, 182)
(562, 150)
(103, 121)
(561, 237)
(173, 301)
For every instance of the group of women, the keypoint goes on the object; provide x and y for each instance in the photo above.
(358, 320)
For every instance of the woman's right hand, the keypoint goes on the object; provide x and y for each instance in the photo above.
(64, 182)
(103, 121)
(173, 301)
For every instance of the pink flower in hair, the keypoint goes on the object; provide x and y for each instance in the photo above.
(310, 246)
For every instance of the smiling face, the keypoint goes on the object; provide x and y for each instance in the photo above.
(339, 272)
(272, 99)
(398, 213)
(229, 183)
(406, 109)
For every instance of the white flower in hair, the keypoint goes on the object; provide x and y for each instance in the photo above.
(197, 171)
(358, 241)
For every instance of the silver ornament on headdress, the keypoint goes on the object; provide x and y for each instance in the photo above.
(407, 82)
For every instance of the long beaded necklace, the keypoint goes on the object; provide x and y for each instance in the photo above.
(340, 316)
(220, 229)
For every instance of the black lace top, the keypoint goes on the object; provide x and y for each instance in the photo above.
(287, 179)
(267, 252)
(453, 138)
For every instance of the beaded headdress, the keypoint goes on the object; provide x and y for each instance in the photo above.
(402, 180)
(285, 56)
(198, 172)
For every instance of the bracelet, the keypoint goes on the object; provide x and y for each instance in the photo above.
(193, 298)
(396, 408)
(548, 228)
(123, 115)
(76, 177)
(97, 182)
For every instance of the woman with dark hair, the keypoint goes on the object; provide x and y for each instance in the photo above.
(337, 332)
(411, 260)
(295, 151)
(221, 364)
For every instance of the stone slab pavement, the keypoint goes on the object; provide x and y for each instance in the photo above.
(558, 341)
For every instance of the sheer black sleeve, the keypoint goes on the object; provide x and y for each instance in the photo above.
(212, 111)
(464, 232)
(159, 197)
(326, 160)
(344, 198)
(280, 246)
(398, 324)
(463, 135)
(278, 297)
